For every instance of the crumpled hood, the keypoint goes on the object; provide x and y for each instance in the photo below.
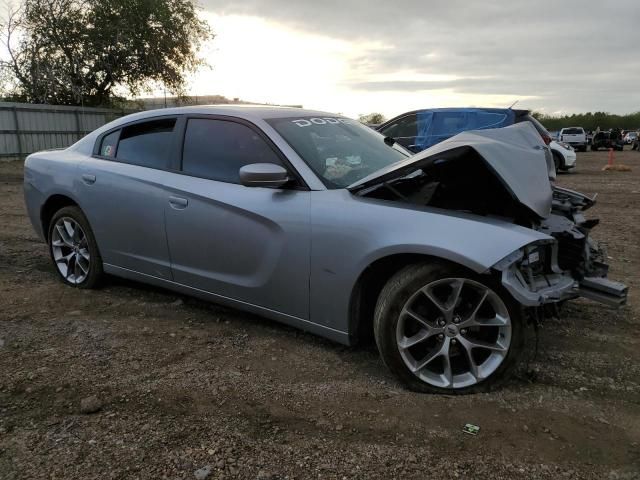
(516, 154)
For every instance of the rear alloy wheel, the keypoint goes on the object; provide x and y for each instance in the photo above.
(446, 333)
(73, 248)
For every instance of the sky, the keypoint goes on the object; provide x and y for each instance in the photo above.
(356, 56)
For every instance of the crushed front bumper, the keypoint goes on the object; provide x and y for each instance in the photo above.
(548, 283)
(534, 290)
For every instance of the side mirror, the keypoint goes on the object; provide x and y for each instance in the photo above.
(263, 175)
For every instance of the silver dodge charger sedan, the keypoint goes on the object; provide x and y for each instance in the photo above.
(317, 221)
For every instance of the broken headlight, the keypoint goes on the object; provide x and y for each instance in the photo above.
(531, 261)
(534, 259)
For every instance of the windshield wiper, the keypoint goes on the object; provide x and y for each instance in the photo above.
(389, 141)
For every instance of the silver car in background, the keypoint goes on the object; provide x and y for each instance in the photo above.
(319, 222)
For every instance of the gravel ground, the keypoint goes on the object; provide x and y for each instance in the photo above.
(134, 382)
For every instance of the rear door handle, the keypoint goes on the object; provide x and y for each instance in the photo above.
(178, 202)
(88, 178)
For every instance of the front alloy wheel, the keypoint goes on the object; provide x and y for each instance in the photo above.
(440, 330)
(453, 333)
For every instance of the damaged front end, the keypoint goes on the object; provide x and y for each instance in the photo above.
(503, 175)
(574, 265)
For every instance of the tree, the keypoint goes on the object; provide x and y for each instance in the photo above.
(90, 52)
(372, 118)
(590, 121)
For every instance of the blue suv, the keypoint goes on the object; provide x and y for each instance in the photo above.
(421, 129)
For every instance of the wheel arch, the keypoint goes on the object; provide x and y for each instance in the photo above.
(370, 283)
(561, 160)
(54, 203)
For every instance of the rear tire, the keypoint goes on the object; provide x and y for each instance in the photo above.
(73, 249)
(472, 345)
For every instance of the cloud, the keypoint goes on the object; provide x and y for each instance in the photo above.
(571, 55)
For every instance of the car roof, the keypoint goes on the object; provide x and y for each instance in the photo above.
(248, 112)
(251, 113)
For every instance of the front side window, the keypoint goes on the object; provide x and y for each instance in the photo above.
(406, 127)
(217, 149)
(147, 144)
(339, 150)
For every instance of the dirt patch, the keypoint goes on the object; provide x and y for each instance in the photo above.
(184, 385)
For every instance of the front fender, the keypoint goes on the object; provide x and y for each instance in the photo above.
(350, 233)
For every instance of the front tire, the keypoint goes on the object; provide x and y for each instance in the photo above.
(558, 160)
(73, 249)
(442, 329)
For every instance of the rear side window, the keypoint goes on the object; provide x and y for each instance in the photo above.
(109, 144)
(146, 144)
(452, 123)
(445, 123)
(217, 149)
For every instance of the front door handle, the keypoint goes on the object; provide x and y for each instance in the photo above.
(178, 202)
(88, 178)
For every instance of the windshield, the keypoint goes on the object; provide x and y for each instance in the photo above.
(339, 150)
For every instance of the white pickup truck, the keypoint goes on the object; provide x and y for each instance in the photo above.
(574, 136)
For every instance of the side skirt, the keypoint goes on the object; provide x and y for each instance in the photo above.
(306, 325)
